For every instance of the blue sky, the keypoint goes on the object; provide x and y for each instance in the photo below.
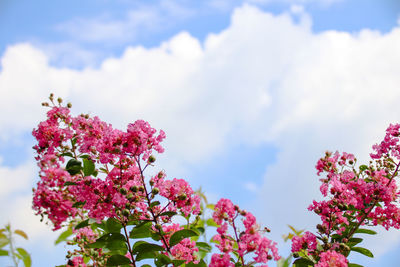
(250, 94)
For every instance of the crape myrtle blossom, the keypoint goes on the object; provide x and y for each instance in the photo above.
(92, 180)
(366, 195)
(250, 241)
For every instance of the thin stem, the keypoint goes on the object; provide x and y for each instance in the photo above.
(237, 238)
(129, 246)
(12, 250)
(149, 202)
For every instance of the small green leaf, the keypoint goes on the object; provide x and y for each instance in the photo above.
(21, 233)
(82, 224)
(177, 262)
(354, 265)
(301, 262)
(162, 260)
(113, 226)
(204, 246)
(363, 251)
(63, 236)
(26, 258)
(363, 167)
(143, 247)
(79, 204)
(365, 231)
(3, 240)
(180, 235)
(354, 241)
(210, 222)
(141, 231)
(73, 166)
(66, 154)
(145, 255)
(3, 252)
(155, 203)
(69, 183)
(200, 264)
(116, 260)
(88, 167)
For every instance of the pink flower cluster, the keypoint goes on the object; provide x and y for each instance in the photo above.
(332, 259)
(353, 197)
(64, 191)
(308, 241)
(185, 249)
(248, 241)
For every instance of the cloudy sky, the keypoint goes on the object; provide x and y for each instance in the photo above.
(250, 95)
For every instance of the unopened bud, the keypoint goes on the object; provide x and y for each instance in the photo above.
(59, 100)
(123, 191)
(295, 254)
(151, 159)
(155, 191)
(134, 188)
(151, 182)
(182, 197)
(158, 227)
(51, 96)
(126, 212)
(45, 104)
(69, 105)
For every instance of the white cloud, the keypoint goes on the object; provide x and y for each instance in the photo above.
(138, 20)
(263, 79)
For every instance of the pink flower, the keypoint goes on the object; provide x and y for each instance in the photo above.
(332, 259)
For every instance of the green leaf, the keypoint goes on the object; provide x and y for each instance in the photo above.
(162, 260)
(177, 262)
(79, 204)
(113, 226)
(210, 206)
(145, 255)
(204, 246)
(210, 222)
(141, 231)
(365, 231)
(144, 246)
(63, 236)
(26, 258)
(73, 166)
(155, 203)
(116, 260)
(3, 252)
(21, 233)
(200, 264)
(201, 230)
(180, 235)
(301, 262)
(363, 251)
(88, 167)
(3, 240)
(82, 224)
(363, 167)
(354, 241)
(69, 183)
(66, 154)
(116, 242)
(354, 265)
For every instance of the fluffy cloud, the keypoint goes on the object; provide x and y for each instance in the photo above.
(264, 79)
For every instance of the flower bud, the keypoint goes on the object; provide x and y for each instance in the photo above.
(182, 197)
(59, 100)
(123, 191)
(151, 182)
(134, 188)
(126, 212)
(155, 191)
(151, 159)
(69, 105)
